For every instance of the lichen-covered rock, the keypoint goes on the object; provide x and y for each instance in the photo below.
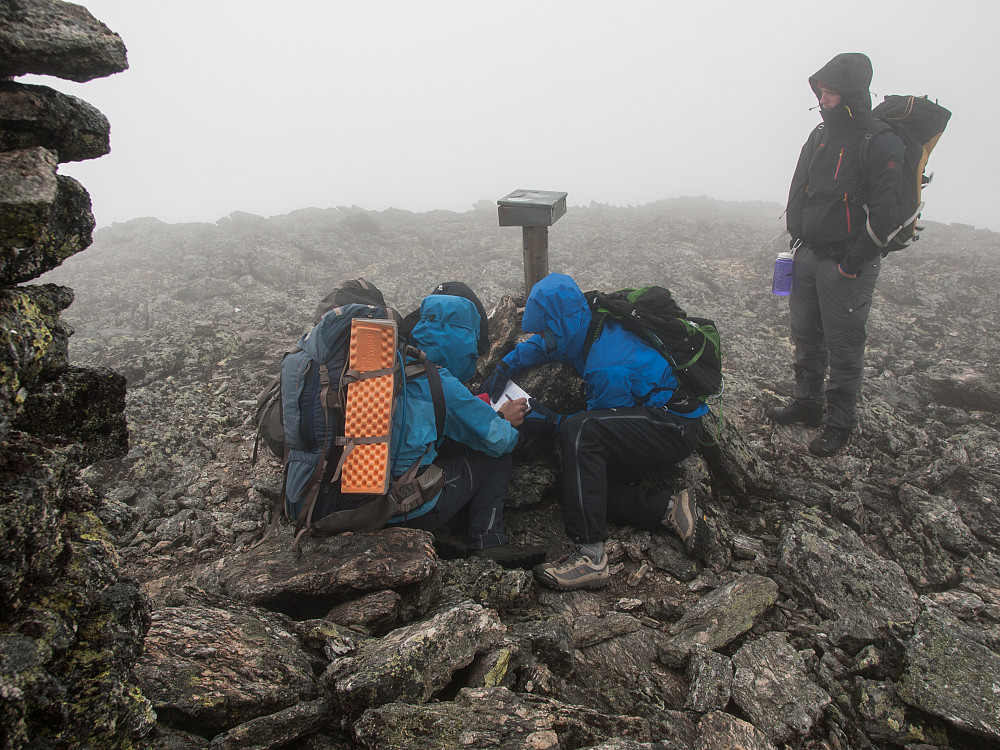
(886, 718)
(56, 230)
(210, 668)
(493, 718)
(951, 674)
(50, 37)
(710, 676)
(771, 687)
(78, 405)
(28, 186)
(71, 626)
(285, 728)
(33, 340)
(722, 731)
(844, 577)
(39, 116)
(720, 616)
(411, 664)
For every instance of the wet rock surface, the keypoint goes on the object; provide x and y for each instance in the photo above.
(852, 602)
(71, 622)
(806, 627)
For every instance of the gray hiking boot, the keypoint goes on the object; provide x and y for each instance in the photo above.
(687, 520)
(793, 412)
(574, 571)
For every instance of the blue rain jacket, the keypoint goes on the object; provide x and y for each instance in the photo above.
(620, 371)
(447, 332)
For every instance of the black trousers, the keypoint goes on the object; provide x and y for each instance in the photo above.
(477, 482)
(604, 450)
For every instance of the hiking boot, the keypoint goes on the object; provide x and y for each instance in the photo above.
(511, 555)
(831, 441)
(793, 412)
(688, 521)
(574, 571)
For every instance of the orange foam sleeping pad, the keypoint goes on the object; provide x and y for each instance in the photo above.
(369, 406)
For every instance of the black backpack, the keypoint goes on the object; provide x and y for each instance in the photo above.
(455, 289)
(919, 123)
(691, 345)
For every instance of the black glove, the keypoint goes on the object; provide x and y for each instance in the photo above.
(541, 421)
(494, 384)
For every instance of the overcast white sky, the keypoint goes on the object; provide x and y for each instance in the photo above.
(266, 106)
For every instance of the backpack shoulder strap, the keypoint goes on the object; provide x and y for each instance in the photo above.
(427, 368)
(878, 127)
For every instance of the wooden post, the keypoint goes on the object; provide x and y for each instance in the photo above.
(536, 255)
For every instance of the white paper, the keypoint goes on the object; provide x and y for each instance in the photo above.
(511, 391)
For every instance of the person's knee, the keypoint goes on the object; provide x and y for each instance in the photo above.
(570, 429)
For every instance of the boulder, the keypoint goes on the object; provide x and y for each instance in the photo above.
(844, 577)
(69, 127)
(34, 340)
(210, 667)
(771, 687)
(493, 718)
(51, 37)
(950, 673)
(720, 616)
(413, 663)
(330, 570)
(722, 731)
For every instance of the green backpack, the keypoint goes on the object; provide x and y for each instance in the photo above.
(691, 345)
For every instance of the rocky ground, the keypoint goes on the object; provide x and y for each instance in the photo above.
(847, 603)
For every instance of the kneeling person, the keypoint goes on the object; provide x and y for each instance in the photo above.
(478, 466)
(637, 421)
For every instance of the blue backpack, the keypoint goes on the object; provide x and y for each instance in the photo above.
(313, 386)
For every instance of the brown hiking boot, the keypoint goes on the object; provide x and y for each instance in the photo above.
(687, 520)
(574, 571)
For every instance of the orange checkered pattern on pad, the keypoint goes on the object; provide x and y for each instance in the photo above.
(369, 406)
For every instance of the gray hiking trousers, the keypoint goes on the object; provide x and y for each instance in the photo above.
(829, 314)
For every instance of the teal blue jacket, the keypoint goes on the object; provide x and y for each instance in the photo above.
(448, 332)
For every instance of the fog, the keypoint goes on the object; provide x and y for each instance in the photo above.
(268, 107)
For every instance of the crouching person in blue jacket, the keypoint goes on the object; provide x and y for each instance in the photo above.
(478, 466)
(637, 421)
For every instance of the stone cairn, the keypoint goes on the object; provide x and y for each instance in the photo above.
(70, 627)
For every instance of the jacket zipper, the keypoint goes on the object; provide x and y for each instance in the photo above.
(847, 210)
(839, 160)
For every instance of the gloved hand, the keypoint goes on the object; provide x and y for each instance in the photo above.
(494, 384)
(541, 421)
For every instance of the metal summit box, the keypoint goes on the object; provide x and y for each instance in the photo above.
(531, 208)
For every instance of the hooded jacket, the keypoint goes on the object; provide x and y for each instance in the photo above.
(447, 332)
(830, 186)
(620, 371)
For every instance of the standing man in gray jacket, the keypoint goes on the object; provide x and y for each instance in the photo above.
(837, 206)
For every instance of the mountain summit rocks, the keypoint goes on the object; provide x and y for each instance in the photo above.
(845, 603)
(832, 591)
